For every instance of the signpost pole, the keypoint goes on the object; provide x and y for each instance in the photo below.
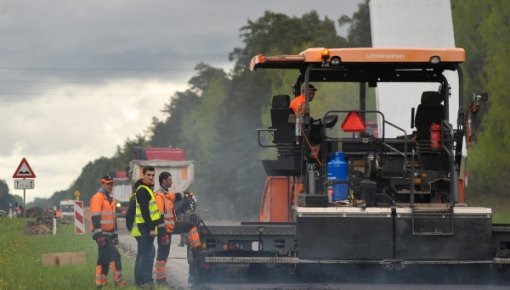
(24, 201)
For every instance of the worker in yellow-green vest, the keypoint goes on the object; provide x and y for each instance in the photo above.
(144, 221)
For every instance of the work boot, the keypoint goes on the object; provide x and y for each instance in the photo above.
(117, 277)
(120, 282)
(192, 280)
(103, 282)
(193, 274)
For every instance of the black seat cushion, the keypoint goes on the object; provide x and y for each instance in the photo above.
(429, 111)
(431, 98)
(280, 121)
(281, 101)
(280, 113)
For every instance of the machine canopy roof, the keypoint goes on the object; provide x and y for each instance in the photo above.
(397, 57)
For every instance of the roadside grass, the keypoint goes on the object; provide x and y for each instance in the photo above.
(500, 207)
(20, 259)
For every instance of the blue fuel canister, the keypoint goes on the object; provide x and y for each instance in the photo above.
(337, 177)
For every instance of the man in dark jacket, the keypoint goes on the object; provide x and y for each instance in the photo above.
(147, 223)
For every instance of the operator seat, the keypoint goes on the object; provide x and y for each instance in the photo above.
(429, 111)
(280, 113)
(288, 161)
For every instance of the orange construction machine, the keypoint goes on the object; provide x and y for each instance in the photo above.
(360, 193)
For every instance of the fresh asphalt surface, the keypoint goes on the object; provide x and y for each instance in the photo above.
(177, 275)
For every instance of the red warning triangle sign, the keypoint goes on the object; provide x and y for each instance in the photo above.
(353, 122)
(24, 170)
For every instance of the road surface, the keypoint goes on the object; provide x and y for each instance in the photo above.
(177, 274)
(177, 265)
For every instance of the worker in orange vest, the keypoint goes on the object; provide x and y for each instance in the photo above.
(103, 226)
(297, 105)
(166, 205)
(298, 102)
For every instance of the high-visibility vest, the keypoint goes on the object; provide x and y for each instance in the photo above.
(194, 238)
(297, 103)
(153, 208)
(105, 209)
(135, 232)
(166, 207)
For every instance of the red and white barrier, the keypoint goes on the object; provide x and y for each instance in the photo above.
(79, 219)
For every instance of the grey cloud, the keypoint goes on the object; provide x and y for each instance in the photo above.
(96, 31)
(58, 57)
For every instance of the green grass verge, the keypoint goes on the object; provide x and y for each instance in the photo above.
(20, 259)
(499, 205)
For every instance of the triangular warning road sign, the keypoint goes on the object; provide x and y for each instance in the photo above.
(24, 170)
(353, 122)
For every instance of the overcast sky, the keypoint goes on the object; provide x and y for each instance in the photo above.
(77, 78)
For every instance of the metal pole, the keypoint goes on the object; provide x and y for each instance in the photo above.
(24, 202)
(54, 228)
(412, 180)
(363, 99)
(54, 231)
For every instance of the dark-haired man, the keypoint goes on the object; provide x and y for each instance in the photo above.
(166, 203)
(148, 223)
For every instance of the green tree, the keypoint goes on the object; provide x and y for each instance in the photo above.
(278, 32)
(359, 32)
(489, 24)
(167, 132)
(5, 197)
(203, 132)
(468, 16)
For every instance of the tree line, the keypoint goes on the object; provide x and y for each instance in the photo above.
(483, 29)
(216, 118)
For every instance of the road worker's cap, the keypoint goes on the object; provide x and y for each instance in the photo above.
(106, 179)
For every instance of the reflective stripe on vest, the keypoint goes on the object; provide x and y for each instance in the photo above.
(168, 214)
(194, 238)
(105, 209)
(135, 232)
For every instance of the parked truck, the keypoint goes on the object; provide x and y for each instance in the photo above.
(66, 210)
(122, 189)
(366, 206)
(172, 160)
(168, 159)
(162, 159)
